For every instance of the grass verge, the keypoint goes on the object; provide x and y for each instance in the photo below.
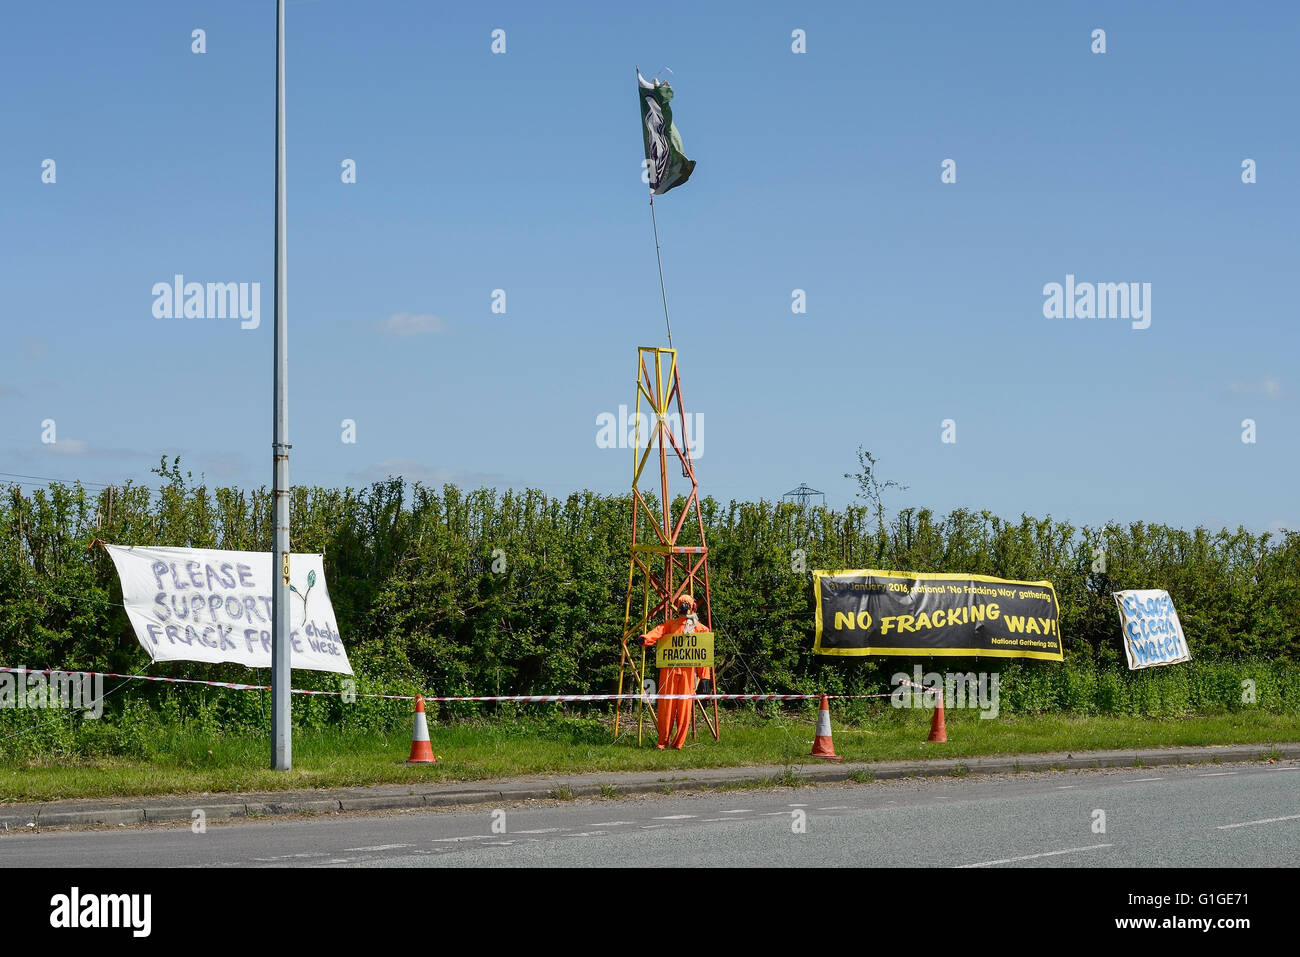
(185, 762)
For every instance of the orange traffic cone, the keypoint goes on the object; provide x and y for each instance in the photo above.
(823, 747)
(938, 732)
(421, 748)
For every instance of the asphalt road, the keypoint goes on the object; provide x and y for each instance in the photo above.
(1232, 815)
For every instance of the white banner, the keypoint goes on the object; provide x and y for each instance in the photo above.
(1150, 628)
(201, 604)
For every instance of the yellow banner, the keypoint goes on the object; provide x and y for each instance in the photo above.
(685, 651)
(870, 612)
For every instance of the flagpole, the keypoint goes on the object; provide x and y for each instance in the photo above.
(662, 291)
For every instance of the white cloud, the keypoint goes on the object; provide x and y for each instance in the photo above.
(222, 464)
(69, 447)
(1268, 386)
(411, 324)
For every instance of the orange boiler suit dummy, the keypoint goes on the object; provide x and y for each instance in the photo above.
(677, 681)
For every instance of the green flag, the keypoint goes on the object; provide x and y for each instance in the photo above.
(668, 165)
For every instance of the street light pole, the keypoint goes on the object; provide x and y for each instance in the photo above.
(281, 727)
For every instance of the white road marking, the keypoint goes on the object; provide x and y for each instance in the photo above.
(796, 805)
(711, 820)
(454, 840)
(674, 817)
(651, 827)
(740, 810)
(835, 807)
(1283, 769)
(1215, 774)
(587, 834)
(1030, 857)
(498, 843)
(1137, 780)
(542, 830)
(1267, 820)
(611, 824)
(377, 847)
(1065, 787)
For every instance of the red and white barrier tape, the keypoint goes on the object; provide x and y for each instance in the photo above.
(913, 684)
(521, 698)
(110, 674)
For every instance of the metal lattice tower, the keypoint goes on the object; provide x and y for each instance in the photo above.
(669, 558)
(803, 494)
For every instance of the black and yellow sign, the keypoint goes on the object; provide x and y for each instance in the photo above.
(685, 651)
(869, 612)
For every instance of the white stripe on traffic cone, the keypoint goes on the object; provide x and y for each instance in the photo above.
(823, 747)
(421, 748)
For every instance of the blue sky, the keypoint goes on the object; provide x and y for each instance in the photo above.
(521, 171)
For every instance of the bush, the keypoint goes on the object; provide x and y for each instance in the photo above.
(421, 608)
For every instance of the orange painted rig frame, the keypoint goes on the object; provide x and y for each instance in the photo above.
(669, 557)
